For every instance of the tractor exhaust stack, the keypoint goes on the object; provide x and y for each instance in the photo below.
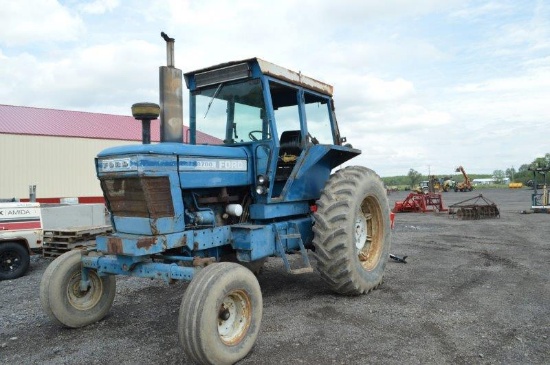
(171, 101)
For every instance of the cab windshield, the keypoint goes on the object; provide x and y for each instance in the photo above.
(231, 113)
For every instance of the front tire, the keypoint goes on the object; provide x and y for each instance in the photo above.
(352, 231)
(62, 299)
(220, 314)
(14, 260)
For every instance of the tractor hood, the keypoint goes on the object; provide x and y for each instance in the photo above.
(143, 184)
(177, 149)
(218, 165)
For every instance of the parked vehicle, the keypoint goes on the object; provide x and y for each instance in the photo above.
(20, 236)
(465, 185)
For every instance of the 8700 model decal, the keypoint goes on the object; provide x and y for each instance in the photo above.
(211, 164)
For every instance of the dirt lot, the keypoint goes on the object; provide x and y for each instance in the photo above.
(471, 292)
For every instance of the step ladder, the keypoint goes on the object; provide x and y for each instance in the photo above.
(279, 237)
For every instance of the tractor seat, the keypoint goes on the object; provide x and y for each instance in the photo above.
(291, 145)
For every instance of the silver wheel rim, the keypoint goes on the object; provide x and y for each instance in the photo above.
(84, 300)
(234, 317)
(360, 230)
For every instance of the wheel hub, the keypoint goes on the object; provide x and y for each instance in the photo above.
(9, 262)
(234, 317)
(84, 299)
(224, 314)
(360, 231)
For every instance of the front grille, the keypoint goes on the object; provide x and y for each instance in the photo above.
(147, 197)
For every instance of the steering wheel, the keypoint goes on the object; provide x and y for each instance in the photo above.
(253, 137)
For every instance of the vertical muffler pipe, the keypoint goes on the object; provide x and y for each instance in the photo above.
(171, 100)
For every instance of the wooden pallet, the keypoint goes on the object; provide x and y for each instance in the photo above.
(56, 250)
(57, 242)
(77, 232)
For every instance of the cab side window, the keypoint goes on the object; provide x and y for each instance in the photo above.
(285, 106)
(318, 118)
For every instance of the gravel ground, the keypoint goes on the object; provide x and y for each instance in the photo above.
(472, 292)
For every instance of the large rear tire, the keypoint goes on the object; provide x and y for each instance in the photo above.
(220, 314)
(62, 299)
(352, 231)
(14, 260)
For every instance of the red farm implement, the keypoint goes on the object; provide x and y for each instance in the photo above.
(420, 203)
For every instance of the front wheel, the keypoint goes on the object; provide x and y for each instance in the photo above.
(14, 260)
(220, 314)
(62, 299)
(352, 231)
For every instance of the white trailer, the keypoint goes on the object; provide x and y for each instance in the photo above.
(20, 236)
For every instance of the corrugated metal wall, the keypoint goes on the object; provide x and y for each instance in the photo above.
(58, 166)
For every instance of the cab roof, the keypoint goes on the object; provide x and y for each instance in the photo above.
(235, 70)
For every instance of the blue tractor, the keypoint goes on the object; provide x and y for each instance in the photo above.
(254, 179)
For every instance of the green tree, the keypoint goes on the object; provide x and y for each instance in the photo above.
(523, 174)
(414, 177)
(510, 173)
(542, 161)
(499, 176)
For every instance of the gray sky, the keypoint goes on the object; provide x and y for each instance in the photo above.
(424, 84)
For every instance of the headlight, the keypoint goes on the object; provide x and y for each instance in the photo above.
(262, 184)
(262, 180)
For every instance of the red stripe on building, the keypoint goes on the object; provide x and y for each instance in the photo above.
(91, 200)
(42, 200)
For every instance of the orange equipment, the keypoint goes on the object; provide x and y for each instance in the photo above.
(466, 185)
